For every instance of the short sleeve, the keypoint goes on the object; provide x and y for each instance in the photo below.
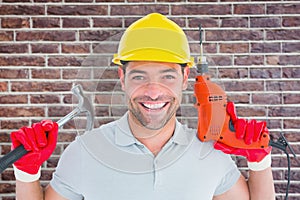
(66, 178)
(228, 180)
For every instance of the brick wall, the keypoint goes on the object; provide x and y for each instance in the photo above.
(48, 45)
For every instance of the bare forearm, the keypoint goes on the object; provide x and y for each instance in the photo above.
(261, 185)
(32, 190)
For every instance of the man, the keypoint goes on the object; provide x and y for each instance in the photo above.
(147, 153)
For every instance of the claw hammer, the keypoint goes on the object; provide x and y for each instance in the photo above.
(84, 106)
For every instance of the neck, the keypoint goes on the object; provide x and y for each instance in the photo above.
(154, 140)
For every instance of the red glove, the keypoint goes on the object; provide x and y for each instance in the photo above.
(40, 140)
(249, 131)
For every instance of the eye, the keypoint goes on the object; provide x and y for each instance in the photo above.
(138, 77)
(170, 77)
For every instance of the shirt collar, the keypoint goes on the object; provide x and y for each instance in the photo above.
(124, 136)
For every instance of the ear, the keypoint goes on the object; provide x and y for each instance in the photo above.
(186, 73)
(122, 77)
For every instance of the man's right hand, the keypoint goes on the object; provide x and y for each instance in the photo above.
(40, 140)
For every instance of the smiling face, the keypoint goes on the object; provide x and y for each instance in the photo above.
(153, 91)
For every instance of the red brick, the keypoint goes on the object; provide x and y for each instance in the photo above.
(21, 10)
(249, 60)
(266, 99)
(65, 61)
(265, 47)
(10, 99)
(106, 74)
(284, 112)
(47, 1)
(294, 188)
(289, 60)
(244, 86)
(101, 35)
(283, 85)
(233, 35)
(110, 99)
(46, 22)
(59, 111)
(13, 124)
(271, 22)
(102, 111)
(138, 9)
(75, 48)
(3, 86)
(44, 98)
(265, 73)
(81, 1)
(13, 48)
(45, 36)
(291, 123)
(16, 1)
(4, 137)
(274, 124)
(234, 48)
(107, 22)
(234, 22)
(292, 72)
(7, 188)
(118, 111)
(105, 48)
(283, 34)
(201, 9)
(109, 1)
(251, 111)
(22, 61)
(45, 48)
(6, 35)
(180, 21)
(15, 23)
(76, 22)
(8, 175)
(238, 98)
(101, 86)
(272, 60)
(35, 86)
(22, 111)
(283, 8)
(221, 60)
(130, 1)
(76, 74)
(78, 10)
(233, 73)
(205, 22)
(45, 73)
(52, 162)
(291, 47)
(291, 98)
(46, 174)
(13, 73)
(291, 21)
(249, 9)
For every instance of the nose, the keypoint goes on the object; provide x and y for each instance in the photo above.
(153, 90)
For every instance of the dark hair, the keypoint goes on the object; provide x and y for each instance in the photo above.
(124, 65)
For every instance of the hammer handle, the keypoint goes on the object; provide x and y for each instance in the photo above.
(20, 151)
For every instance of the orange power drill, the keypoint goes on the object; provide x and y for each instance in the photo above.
(213, 120)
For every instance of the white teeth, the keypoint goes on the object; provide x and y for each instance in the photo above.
(154, 106)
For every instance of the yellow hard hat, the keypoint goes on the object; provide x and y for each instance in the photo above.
(154, 38)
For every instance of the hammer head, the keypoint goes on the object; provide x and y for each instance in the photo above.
(85, 106)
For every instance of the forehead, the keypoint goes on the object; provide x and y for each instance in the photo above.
(152, 66)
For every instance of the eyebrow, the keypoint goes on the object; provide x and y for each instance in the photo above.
(136, 71)
(143, 72)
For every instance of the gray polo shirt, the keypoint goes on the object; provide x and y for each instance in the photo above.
(109, 163)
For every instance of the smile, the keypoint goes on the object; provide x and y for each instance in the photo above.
(154, 106)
